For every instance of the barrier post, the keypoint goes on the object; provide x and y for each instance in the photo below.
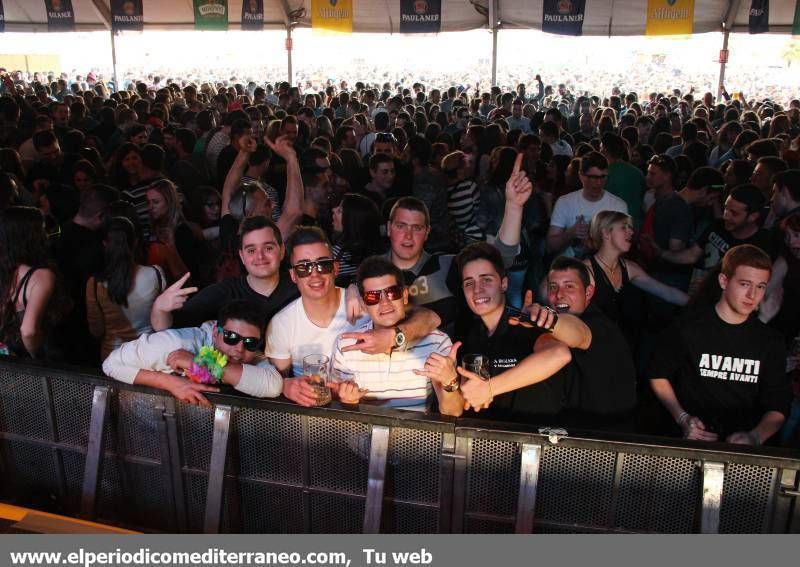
(94, 451)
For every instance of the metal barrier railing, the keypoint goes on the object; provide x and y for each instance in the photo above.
(79, 444)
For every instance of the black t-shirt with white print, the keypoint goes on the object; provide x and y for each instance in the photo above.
(727, 375)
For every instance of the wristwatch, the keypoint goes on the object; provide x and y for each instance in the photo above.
(399, 339)
(452, 386)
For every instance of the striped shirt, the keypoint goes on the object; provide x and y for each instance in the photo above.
(463, 200)
(390, 378)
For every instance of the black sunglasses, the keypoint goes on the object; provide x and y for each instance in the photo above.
(233, 338)
(304, 269)
(373, 297)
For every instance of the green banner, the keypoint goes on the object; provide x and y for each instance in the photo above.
(796, 25)
(211, 15)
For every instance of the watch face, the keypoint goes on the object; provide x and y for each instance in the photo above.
(400, 339)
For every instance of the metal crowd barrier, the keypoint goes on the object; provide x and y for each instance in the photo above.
(81, 445)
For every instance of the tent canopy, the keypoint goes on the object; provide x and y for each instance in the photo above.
(602, 17)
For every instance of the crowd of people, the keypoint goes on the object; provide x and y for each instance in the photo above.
(533, 255)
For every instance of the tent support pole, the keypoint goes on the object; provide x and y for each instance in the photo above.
(493, 27)
(289, 48)
(114, 60)
(723, 62)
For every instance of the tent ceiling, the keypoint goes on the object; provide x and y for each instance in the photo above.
(603, 17)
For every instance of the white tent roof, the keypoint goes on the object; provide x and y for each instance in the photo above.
(603, 17)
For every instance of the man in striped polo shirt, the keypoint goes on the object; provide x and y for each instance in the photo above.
(403, 377)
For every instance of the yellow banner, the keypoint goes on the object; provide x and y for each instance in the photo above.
(332, 15)
(670, 17)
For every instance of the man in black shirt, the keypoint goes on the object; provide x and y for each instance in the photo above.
(523, 362)
(720, 372)
(261, 252)
(740, 224)
(603, 389)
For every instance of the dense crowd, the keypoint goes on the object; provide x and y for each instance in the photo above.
(538, 255)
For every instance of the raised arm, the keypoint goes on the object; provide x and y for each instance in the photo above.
(292, 208)
(235, 173)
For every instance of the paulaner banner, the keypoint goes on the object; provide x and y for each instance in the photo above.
(127, 15)
(796, 24)
(253, 15)
(211, 15)
(332, 15)
(563, 17)
(670, 17)
(758, 21)
(420, 16)
(60, 16)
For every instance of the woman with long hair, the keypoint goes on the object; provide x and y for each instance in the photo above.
(119, 299)
(356, 227)
(26, 283)
(611, 234)
(172, 244)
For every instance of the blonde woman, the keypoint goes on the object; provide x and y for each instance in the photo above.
(615, 278)
(173, 245)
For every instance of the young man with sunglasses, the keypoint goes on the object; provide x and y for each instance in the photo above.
(311, 324)
(405, 378)
(155, 359)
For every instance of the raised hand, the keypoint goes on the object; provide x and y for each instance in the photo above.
(174, 296)
(282, 146)
(518, 186)
(440, 368)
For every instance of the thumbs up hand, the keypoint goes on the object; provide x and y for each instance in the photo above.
(440, 368)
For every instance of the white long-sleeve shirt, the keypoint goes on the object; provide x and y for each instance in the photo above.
(150, 352)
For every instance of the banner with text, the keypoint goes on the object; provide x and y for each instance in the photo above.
(127, 15)
(670, 17)
(563, 17)
(332, 16)
(60, 16)
(420, 16)
(2, 18)
(211, 15)
(796, 25)
(253, 15)
(759, 16)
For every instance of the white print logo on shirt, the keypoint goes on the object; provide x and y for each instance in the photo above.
(729, 368)
(419, 287)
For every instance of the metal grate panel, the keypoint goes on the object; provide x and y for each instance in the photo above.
(745, 498)
(483, 526)
(196, 428)
(402, 518)
(74, 464)
(73, 409)
(137, 429)
(195, 487)
(336, 514)
(34, 480)
(658, 494)
(270, 509)
(413, 465)
(269, 445)
(336, 458)
(493, 477)
(22, 405)
(575, 486)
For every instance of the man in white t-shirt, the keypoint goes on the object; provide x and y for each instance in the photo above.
(405, 377)
(573, 212)
(312, 323)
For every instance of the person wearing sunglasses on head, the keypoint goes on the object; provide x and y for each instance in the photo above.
(311, 324)
(157, 360)
(407, 378)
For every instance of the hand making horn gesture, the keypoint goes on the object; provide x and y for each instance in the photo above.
(518, 186)
(175, 295)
